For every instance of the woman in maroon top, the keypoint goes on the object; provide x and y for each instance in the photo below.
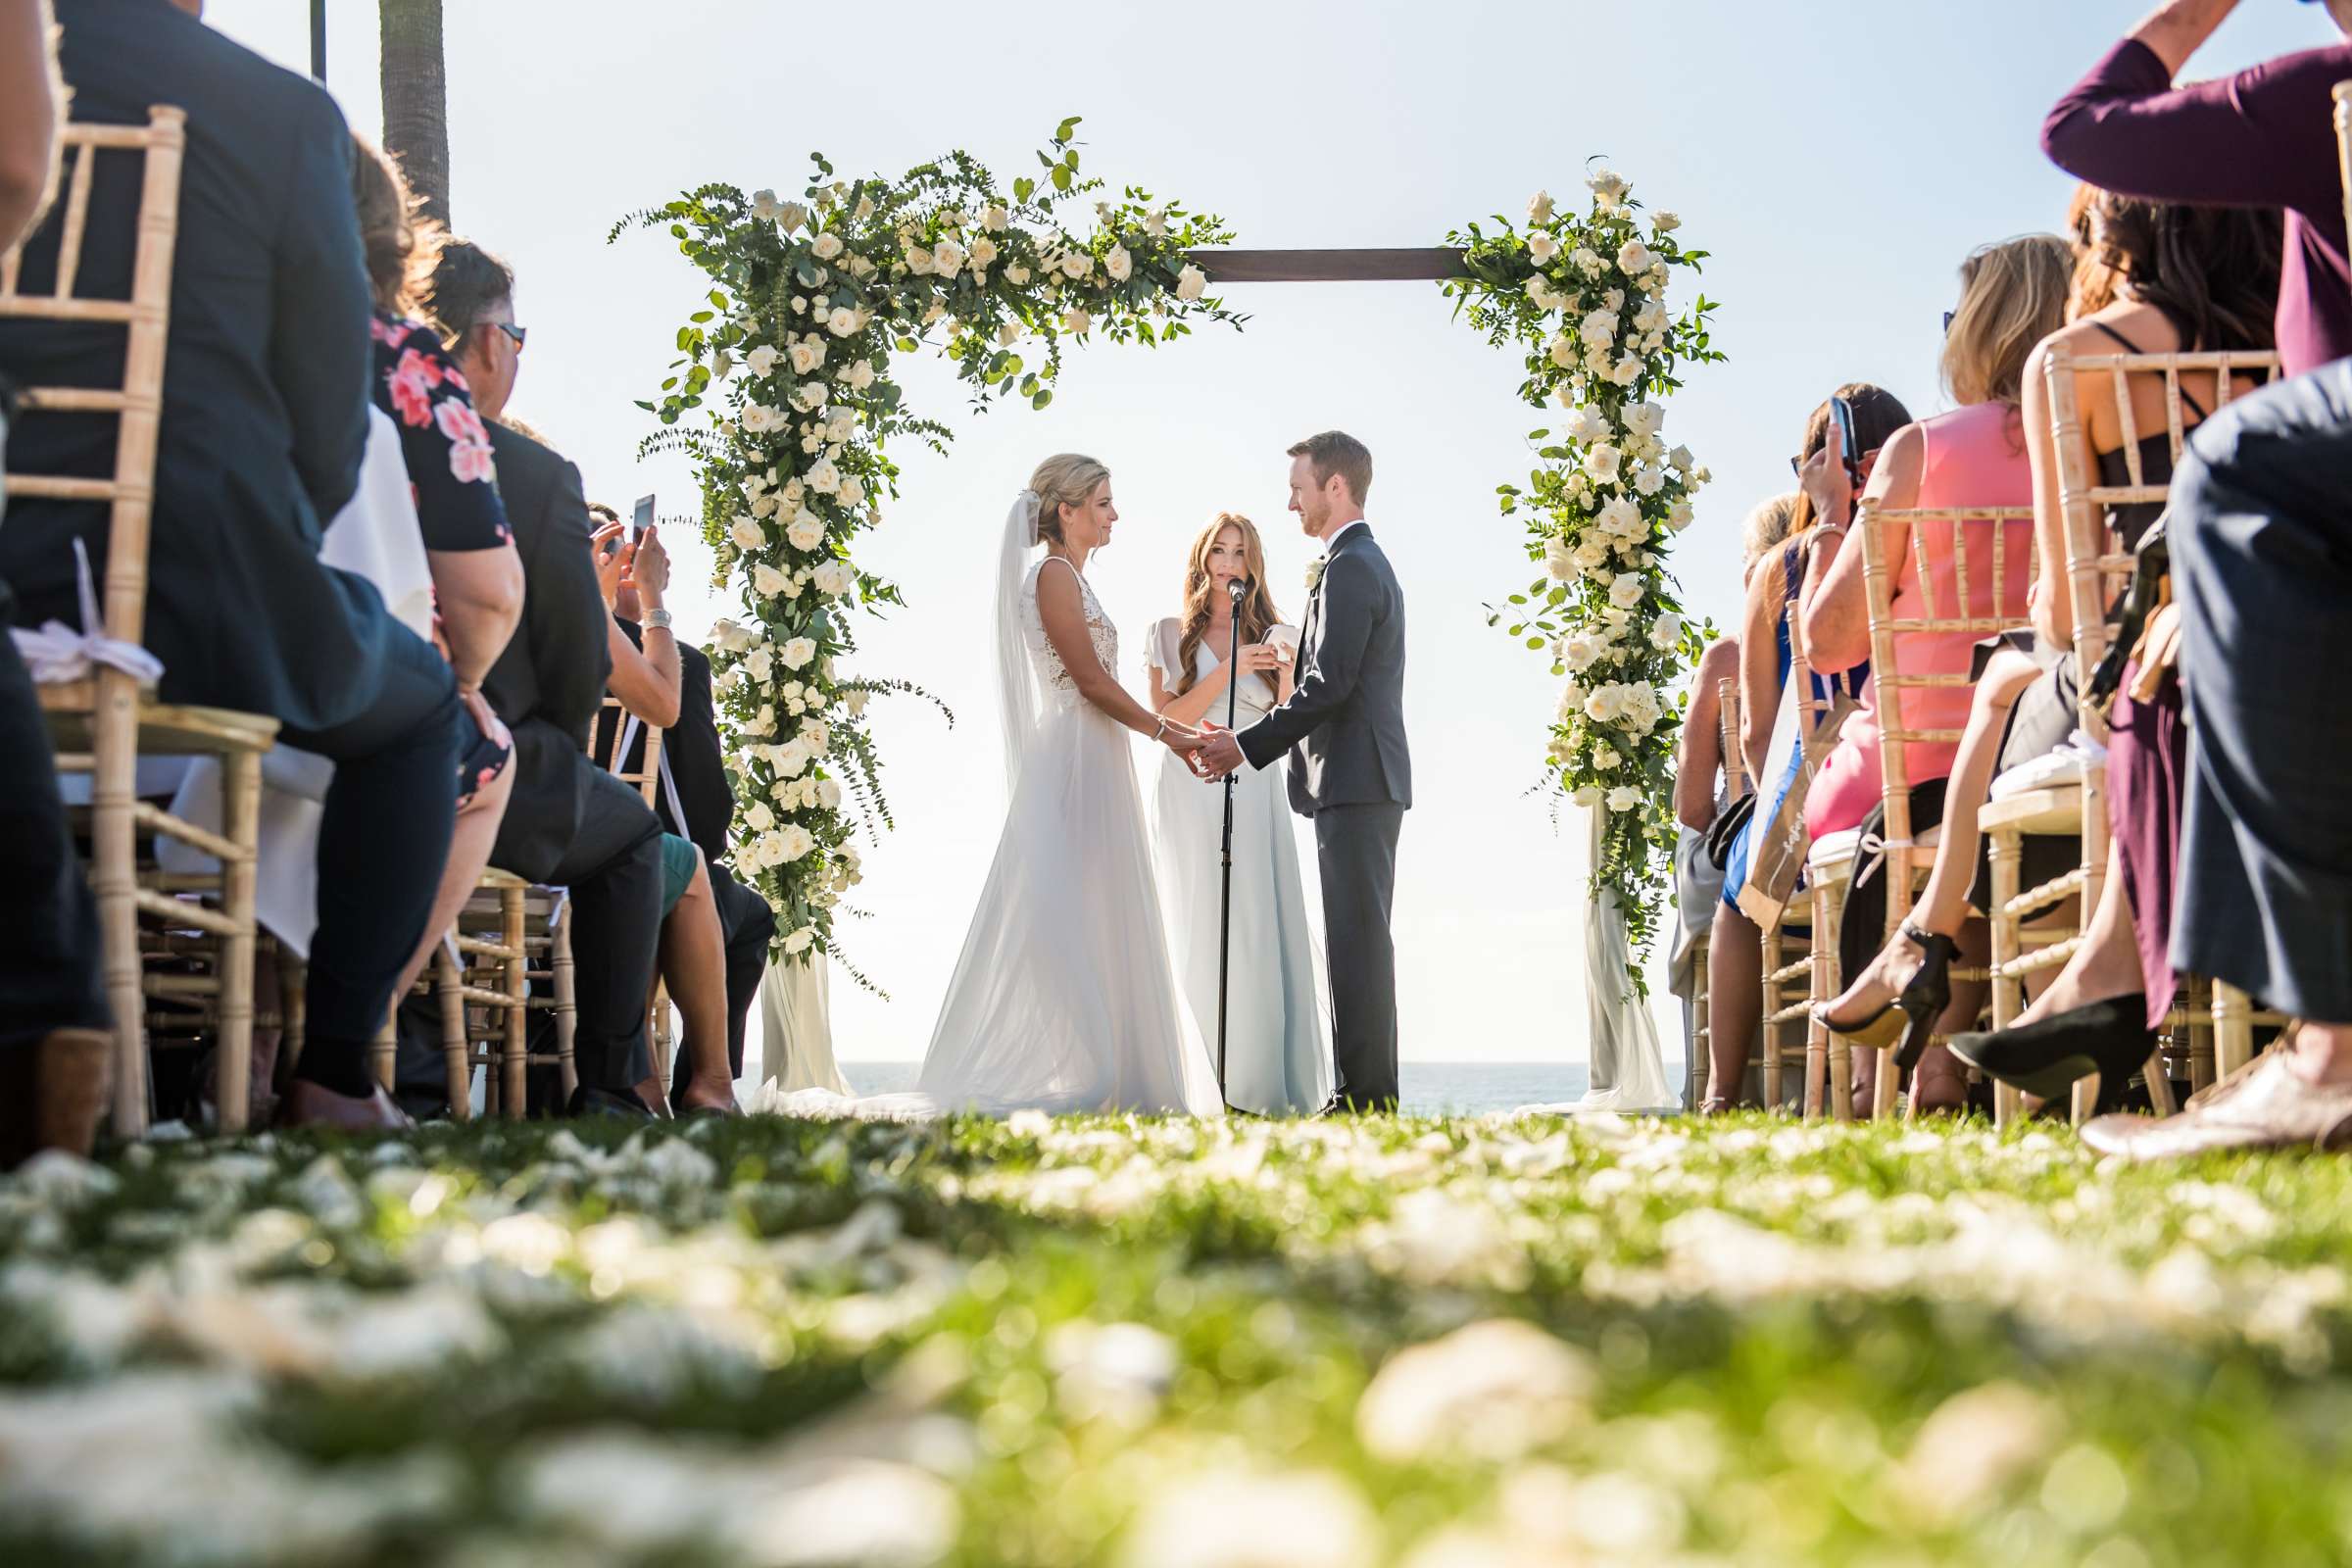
(2264, 137)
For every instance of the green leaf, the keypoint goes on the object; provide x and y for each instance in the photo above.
(1023, 189)
(1045, 395)
(1067, 126)
(1062, 177)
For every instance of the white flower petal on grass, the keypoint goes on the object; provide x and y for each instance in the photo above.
(1492, 1391)
(1250, 1519)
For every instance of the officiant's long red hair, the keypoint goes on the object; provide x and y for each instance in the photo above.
(1257, 610)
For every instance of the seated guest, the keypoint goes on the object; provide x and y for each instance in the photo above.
(1734, 955)
(692, 951)
(2263, 138)
(1701, 776)
(2153, 278)
(698, 802)
(2262, 569)
(2011, 296)
(477, 575)
(264, 424)
(569, 823)
(54, 1039)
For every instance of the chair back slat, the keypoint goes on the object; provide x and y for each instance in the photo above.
(647, 774)
(1735, 758)
(137, 404)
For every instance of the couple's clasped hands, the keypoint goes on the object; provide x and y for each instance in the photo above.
(1212, 752)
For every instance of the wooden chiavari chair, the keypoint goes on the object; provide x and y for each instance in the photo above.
(2001, 532)
(1814, 910)
(2219, 1033)
(104, 723)
(1736, 783)
(645, 777)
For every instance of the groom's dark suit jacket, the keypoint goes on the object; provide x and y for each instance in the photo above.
(1344, 725)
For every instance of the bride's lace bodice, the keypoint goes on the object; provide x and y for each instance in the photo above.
(1052, 673)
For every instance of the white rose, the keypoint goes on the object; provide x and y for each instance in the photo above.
(832, 579)
(806, 530)
(1077, 265)
(1586, 795)
(1016, 275)
(852, 491)
(1598, 328)
(984, 252)
(1635, 257)
(809, 396)
(843, 322)
(1538, 207)
(745, 532)
(1541, 248)
(1578, 652)
(1601, 461)
(1119, 265)
(856, 701)
(1587, 424)
(824, 478)
(1563, 351)
(758, 817)
(1624, 797)
(1621, 518)
(948, 257)
(759, 664)
(1559, 560)
(1191, 282)
(1605, 758)
(918, 260)
(1607, 184)
(1649, 318)
(860, 375)
(1678, 516)
(1644, 418)
(767, 581)
(798, 841)
(1627, 371)
(758, 418)
(1649, 480)
(994, 219)
(1665, 223)
(798, 941)
(1591, 552)
(806, 355)
(1603, 705)
(828, 794)
(798, 653)
(1075, 319)
(1585, 261)
(1666, 631)
(815, 736)
(792, 217)
(770, 849)
(826, 246)
(765, 205)
(1627, 590)
(762, 359)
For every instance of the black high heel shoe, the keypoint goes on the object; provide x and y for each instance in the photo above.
(1911, 1015)
(2110, 1038)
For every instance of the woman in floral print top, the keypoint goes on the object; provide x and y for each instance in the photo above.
(447, 448)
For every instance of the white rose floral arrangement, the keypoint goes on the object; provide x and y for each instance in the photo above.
(1585, 293)
(783, 396)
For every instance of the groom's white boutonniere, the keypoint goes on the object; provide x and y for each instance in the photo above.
(1314, 572)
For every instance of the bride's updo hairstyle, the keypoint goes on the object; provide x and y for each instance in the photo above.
(1065, 479)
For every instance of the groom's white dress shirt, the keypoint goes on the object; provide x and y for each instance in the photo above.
(1332, 543)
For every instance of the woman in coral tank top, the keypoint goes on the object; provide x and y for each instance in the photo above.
(2011, 295)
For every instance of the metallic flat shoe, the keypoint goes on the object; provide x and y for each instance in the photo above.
(2270, 1108)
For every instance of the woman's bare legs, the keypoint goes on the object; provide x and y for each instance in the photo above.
(1942, 906)
(1734, 1001)
(2106, 966)
(469, 856)
(693, 965)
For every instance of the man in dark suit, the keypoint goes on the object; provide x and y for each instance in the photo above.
(1350, 773)
(264, 423)
(698, 803)
(568, 823)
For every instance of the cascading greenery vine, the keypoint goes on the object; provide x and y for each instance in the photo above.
(784, 398)
(1585, 294)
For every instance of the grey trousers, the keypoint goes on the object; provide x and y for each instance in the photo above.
(2261, 536)
(1355, 850)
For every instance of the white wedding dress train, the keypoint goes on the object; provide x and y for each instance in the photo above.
(1278, 1036)
(1062, 999)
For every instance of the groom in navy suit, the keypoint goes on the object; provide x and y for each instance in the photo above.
(1350, 773)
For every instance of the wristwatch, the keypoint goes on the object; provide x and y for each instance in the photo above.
(658, 619)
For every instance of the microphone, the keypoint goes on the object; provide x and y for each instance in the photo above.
(1238, 589)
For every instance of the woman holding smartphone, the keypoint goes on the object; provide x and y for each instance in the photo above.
(1277, 1044)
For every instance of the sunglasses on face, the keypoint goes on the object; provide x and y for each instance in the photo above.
(1949, 317)
(518, 333)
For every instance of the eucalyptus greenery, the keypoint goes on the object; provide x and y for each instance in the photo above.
(1585, 293)
(783, 396)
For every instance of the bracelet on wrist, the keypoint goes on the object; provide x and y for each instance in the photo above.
(658, 619)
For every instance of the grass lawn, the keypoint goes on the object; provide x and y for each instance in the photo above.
(1175, 1345)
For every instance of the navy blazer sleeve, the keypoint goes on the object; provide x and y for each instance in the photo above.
(319, 348)
(1353, 598)
(569, 650)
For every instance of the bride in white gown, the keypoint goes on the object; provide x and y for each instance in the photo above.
(1278, 1052)
(1062, 999)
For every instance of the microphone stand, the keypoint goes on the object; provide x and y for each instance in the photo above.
(1233, 682)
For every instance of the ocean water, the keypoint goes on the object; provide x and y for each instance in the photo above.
(1456, 1088)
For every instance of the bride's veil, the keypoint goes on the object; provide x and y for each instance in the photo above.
(1016, 681)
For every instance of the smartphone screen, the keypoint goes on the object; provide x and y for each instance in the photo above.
(644, 517)
(1842, 413)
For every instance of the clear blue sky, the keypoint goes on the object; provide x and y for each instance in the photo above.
(1839, 160)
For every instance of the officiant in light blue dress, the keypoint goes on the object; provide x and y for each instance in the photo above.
(1278, 1051)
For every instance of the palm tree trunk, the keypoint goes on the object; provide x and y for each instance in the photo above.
(416, 99)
